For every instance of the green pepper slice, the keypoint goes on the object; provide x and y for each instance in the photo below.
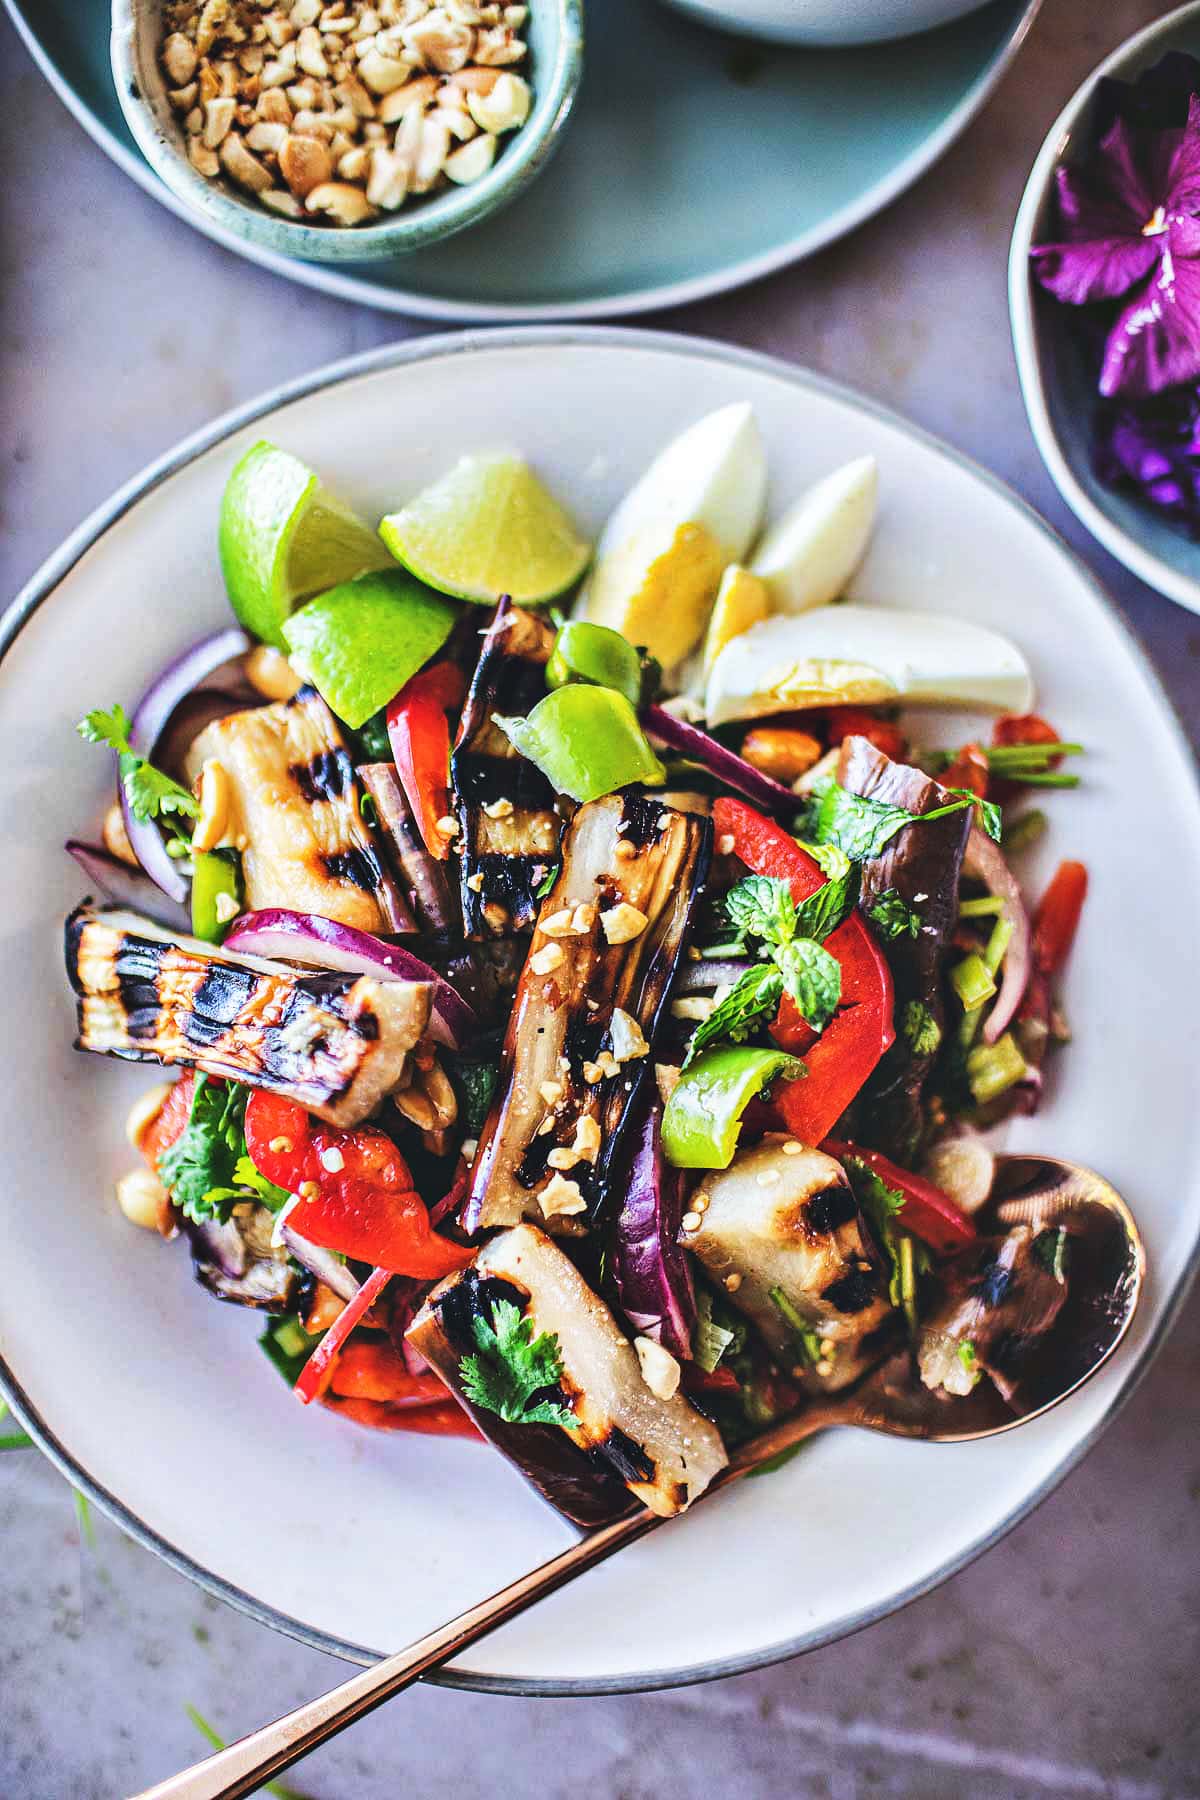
(702, 1121)
(593, 653)
(215, 877)
(586, 741)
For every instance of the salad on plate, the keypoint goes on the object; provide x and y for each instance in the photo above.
(591, 972)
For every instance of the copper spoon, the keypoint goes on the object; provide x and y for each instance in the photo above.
(1108, 1266)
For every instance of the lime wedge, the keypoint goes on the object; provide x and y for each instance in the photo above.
(487, 528)
(282, 538)
(359, 643)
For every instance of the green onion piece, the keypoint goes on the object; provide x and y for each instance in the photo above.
(1024, 830)
(908, 1279)
(808, 1340)
(997, 944)
(984, 908)
(993, 1068)
(972, 981)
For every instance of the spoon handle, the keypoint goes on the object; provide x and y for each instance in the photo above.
(247, 1764)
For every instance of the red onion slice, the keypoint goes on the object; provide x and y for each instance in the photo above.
(150, 719)
(277, 934)
(652, 1274)
(985, 862)
(734, 770)
(127, 886)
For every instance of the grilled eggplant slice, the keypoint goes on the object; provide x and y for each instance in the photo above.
(294, 814)
(573, 1062)
(923, 863)
(237, 1262)
(626, 1441)
(1000, 1298)
(336, 1043)
(421, 879)
(508, 823)
(784, 1220)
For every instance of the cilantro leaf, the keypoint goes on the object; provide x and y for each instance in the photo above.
(248, 1185)
(151, 794)
(919, 1029)
(512, 1368)
(813, 978)
(754, 995)
(892, 916)
(199, 1168)
(762, 906)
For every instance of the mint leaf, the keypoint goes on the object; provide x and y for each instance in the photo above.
(813, 978)
(512, 1368)
(762, 906)
(831, 861)
(822, 913)
(754, 995)
(892, 916)
(863, 827)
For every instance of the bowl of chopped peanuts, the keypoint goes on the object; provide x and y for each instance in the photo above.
(346, 130)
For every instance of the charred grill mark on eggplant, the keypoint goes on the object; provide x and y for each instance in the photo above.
(826, 1211)
(923, 863)
(561, 1022)
(503, 861)
(625, 1443)
(296, 817)
(337, 1043)
(328, 776)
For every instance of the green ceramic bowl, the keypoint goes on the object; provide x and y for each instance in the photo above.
(1058, 387)
(555, 36)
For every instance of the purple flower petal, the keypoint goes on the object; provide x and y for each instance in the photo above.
(1183, 170)
(1100, 269)
(1156, 340)
(1152, 447)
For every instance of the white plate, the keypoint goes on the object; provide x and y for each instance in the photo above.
(157, 1402)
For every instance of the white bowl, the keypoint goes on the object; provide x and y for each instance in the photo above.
(155, 1400)
(826, 22)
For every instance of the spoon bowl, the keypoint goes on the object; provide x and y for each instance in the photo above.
(1107, 1273)
(1108, 1267)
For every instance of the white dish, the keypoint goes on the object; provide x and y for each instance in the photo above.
(157, 1403)
(825, 22)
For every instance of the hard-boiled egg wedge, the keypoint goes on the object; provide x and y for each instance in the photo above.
(809, 556)
(660, 557)
(742, 600)
(864, 655)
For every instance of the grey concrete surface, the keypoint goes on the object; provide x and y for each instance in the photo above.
(1063, 1663)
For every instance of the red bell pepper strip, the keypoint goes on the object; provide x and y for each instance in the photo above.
(445, 1420)
(857, 721)
(375, 1370)
(170, 1120)
(419, 734)
(1056, 919)
(927, 1212)
(356, 1194)
(969, 770)
(317, 1371)
(841, 1059)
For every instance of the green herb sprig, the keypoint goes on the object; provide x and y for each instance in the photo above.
(512, 1368)
(151, 794)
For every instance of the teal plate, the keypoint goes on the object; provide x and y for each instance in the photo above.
(695, 161)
